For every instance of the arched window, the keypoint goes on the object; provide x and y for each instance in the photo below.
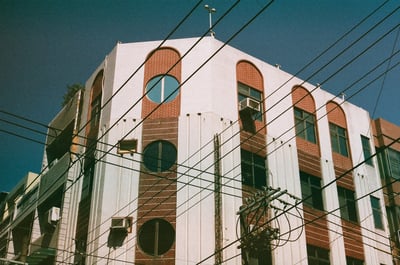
(337, 129)
(304, 114)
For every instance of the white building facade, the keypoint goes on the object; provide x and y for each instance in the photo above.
(198, 153)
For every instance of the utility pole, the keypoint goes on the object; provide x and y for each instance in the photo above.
(257, 233)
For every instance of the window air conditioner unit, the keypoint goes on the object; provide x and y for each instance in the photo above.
(127, 146)
(120, 223)
(249, 104)
(53, 215)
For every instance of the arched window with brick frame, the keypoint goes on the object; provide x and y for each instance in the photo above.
(250, 89)
(161, 84)
(305, 120)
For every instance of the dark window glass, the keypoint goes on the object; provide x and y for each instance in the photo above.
(348, 209)
(156, 237)
(394, 163)
(159, 156)
(245, 91)
(305, 125)
(162, 88)
(353, 261)
(366, 150)
(317, 256)
(376, 212)
(311, 186)
(338, 139)
(253, 170)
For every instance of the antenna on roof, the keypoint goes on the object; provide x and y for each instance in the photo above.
(210, 11)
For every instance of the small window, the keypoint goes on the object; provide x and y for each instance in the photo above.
(394, 163)
(159, 156)
(95, 112)
(305, 125)
(156, 237)
(311, 187)
(348, 209)
(338, 139)
(253, 170)
(317, 256)
(366, 150)
(376, 212)
(245, 91)
(127, 146)
(162, 88)
(353, 261)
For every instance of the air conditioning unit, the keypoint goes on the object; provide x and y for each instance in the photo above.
(120, 223)
(53, 215)
(249, 104)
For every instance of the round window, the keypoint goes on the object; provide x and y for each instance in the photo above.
(156, 237)
(159, 156)
(162, 88)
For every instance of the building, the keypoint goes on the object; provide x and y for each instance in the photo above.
(203, 154)
(387, 144)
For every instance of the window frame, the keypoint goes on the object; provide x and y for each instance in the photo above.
(347, 204)
(339, 139)
(306, 125)
(353, 261)
(394, 163)
(157, 235)
(317, 255)
(156, 89)
(158, 162)
(308, 181)
(377, 212)
(246, 91)
(95, 110)
(367, 151)
(253, 164)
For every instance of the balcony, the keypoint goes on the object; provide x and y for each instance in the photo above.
(55, 177)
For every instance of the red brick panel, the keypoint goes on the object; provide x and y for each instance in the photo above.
(353, 243)
(316, 230)
(248, 74)
(336, 114)
(302, 99)
(309, 163)
(157, 191)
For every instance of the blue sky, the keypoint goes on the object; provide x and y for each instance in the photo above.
(48, 44)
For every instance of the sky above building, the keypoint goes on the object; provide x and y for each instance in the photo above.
(48, 44)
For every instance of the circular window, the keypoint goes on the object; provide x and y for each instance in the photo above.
(156, 237)
(162, 87)
(159, 156)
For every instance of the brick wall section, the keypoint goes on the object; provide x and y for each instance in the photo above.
(302, 99)
(352, 240)
(385, 133)
(316, 230)
(157, 191)
(160, 62)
